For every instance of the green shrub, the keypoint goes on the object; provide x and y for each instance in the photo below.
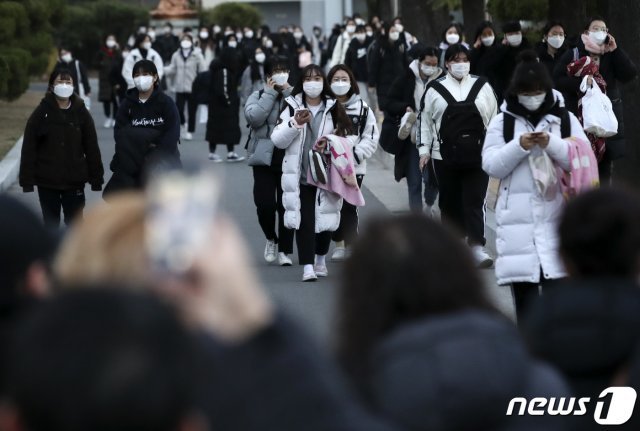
(232, 14)
(14, 72)
(507, 10)
(14, 21)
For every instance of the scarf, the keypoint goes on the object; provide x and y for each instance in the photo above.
(594, 48)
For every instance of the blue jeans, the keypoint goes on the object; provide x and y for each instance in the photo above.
(415, 179)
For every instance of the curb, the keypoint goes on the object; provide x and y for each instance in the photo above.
(10, 167)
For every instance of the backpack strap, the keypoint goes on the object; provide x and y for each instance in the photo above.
(475, 89)
(565, 123)
(364, 115)
(508, 126)
(441, 89)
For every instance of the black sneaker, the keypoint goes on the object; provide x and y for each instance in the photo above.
(318, 166)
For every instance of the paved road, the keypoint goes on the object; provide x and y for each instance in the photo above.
(312, 303)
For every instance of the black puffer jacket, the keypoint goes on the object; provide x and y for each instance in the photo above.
(502, 65)
(387, 61)
(223, 122)
(144, 133)
(60, 148)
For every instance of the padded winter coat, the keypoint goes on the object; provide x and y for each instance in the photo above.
(527, 237)
(135, 56)
(366, 142)
(184, 70)
(291, 139)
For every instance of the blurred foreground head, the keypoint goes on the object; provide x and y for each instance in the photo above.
(25, 250)
(101, 359)
(107, 245)
(402, 269)
(600, 234)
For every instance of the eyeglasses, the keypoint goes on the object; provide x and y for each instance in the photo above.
(599, 29)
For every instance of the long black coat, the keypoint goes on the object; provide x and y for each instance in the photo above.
(60, 148)
(502, 65)
(223, 123)
(106, 60)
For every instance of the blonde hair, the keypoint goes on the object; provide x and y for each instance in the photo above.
(108, 245)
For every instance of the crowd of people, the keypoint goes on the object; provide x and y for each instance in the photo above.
(94, 336)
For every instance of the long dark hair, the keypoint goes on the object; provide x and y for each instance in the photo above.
(341, 121)
(255, 66)
(402, 269)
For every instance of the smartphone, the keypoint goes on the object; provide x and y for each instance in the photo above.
(181, 207)
(607, 40)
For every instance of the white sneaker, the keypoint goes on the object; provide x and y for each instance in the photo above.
(339, 254)
(234, 157)
(321, 270)
(482, 258)
(113, 122)
(284, 260)
(309, 276)
(188, 136)
(107, 123)
(215, 158)
(270, 251)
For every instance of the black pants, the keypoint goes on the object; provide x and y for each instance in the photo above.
(309, 243)
(267, 195)
(213, 145)
(106, 106)
(70, 201)
(524, 293)
(181, 98)
(462, 193)
(348, 229)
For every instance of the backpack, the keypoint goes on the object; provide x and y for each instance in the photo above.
(462, 129)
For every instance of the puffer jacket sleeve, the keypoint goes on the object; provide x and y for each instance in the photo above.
(92, 151)
(283, 135)
(27, 176)
(168, 142)
(170, 70)
(368, 142)
(427, 127)
(500, 158)
(489, 104)
(625, 69)
(259, 106)
(127, 69)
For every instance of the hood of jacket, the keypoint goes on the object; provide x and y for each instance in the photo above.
(414, 66)
(133, 95)
(353, 100)
(296, 102)
(51, 101)
(477, 359)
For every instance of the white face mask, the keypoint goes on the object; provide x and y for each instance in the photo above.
(428, 70)
(280, 78)
(394, 36)
(399, 27)
(232, 44)
(268, 44)
(351, 29)
(297, 34)
(260, 57)
(369, 34)
(239, 36)
(111, 43)
(360, 21)
(555, 41)
(531, 103)
(152, 35)
(167, 30)
(143, 83)
(186, 44)
(340, 88)
(228, 33)
(66, 58)
(598, 37)
(63, 91)
(361, 37)
(248, 34)
(313, 89)
(452, 38)
(216, 29)
(146, 45)
(459, 70)
(204, 34)
(515, 39)
(488, 41)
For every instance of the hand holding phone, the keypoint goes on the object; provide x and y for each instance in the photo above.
(302, 116)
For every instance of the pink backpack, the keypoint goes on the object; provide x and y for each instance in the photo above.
(583, 174)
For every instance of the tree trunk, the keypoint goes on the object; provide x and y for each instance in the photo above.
(572, 13)
(473, 15)
(422, 21)
(623, 19)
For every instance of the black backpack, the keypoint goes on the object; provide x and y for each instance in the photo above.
(462, 129)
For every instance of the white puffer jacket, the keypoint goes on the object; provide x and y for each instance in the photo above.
(291, 139)
(135, 56)
(527, 237)
(366, 142)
